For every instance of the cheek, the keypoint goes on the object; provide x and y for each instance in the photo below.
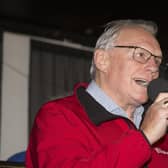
(120, 69)
(119, 74)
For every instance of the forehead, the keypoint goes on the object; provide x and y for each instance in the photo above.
(134, 34)
(139, 37)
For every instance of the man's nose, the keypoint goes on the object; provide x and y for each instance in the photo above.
(152, 65)
(152, 61)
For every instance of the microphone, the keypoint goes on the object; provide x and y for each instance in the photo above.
(157, 86)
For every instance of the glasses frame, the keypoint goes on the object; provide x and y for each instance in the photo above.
(151, 55)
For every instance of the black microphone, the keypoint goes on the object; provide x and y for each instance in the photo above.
(157, 86)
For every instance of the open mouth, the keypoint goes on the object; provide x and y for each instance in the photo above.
(141, 82)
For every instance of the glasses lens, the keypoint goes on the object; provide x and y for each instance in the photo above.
(141, 55)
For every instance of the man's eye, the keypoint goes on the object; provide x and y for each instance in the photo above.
(141, 54)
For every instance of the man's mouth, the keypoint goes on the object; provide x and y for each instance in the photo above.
(141, 82)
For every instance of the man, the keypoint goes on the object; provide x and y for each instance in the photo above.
(99, 126)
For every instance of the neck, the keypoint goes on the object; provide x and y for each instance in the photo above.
(129, 110)
(127, 107)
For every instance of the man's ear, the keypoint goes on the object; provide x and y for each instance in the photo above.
(101, 60)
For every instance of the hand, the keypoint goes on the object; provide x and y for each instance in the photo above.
(155, 122)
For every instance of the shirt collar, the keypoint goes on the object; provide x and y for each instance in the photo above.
(97, 93)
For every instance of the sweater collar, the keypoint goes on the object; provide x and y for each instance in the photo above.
(97, 113)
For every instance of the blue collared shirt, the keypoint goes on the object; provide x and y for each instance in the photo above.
(98, 94)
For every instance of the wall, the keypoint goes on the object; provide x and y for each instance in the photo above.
(14, 122)
(14, 108)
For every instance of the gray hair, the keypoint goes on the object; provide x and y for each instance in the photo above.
(111, 31)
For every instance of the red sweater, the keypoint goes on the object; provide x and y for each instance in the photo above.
(77, 132)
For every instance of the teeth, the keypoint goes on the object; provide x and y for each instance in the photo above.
(142, 82)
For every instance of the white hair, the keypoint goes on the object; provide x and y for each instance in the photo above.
(111, 31)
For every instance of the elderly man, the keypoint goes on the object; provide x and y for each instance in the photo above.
(100, 125)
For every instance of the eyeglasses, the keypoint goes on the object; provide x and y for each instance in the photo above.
(142, 55)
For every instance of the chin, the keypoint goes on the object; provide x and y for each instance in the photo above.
(141, 99)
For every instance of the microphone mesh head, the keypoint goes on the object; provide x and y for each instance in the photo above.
(157, 86)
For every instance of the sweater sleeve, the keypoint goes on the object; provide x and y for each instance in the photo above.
(160, 154)
(60, 140)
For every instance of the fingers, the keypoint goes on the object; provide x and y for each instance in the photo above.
(165, 104)
(155, 121)
(163, 108)
(162, 101)
(162, 96)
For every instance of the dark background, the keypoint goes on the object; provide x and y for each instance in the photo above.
(80, 21)
(80, 18)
